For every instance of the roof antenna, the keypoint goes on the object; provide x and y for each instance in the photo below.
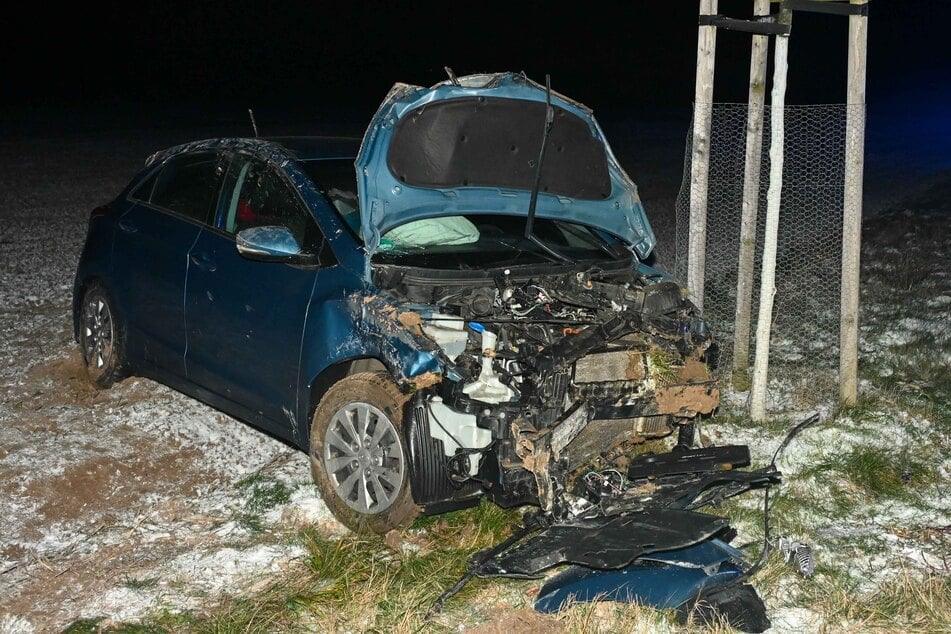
(254, 123)
(452, 76)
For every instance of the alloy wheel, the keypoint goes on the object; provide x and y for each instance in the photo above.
(363, 457)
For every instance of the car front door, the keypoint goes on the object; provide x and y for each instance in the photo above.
(245, 317)
(150, 256)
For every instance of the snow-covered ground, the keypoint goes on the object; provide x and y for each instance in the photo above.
(118, 502)
(124, 502)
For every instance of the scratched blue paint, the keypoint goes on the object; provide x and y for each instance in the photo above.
(251, 337)
(247, 336)
(662, 580)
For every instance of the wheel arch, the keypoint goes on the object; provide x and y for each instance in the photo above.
(330, 375)
(80, 286)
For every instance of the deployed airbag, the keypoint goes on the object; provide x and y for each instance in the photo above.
(447, 230)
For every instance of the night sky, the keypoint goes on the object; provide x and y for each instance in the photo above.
(272, 53)
(214, 60)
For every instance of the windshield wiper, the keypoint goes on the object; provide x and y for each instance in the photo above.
(548, 251)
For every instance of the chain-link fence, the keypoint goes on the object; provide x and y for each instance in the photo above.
(805, 331)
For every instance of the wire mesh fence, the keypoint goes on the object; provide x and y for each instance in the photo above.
(804, 340)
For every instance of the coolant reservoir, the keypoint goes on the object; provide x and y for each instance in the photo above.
(450, 426)
(448, 331)
(487, 388)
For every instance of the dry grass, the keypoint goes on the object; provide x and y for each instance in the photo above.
(359, 583)
(910, 601)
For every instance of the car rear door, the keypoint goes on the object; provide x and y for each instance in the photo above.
(245, 317)
(153, 238)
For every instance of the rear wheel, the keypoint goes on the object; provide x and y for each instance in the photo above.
(358, 456)
(99, 340)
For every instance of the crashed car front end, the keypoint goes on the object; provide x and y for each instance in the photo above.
(544, 375)
(509, 295)
(506, 244)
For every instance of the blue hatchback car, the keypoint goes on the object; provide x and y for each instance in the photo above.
(458, 306)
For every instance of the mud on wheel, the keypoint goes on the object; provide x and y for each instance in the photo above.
(100, 338)
(358, 456)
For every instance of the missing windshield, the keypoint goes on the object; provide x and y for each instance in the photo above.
(492, 240)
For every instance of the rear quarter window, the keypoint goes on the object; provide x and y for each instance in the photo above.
(187, 185)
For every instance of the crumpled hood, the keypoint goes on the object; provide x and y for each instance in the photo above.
(471, 148)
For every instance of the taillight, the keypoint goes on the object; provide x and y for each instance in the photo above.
(98, 212)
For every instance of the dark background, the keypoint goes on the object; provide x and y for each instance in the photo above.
(229, 56)
(319, 68)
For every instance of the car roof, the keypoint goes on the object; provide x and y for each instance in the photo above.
(302, 148)
(308, 148)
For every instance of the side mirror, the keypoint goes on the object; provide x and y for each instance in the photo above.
(271, 244)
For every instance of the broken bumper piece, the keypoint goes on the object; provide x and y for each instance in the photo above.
(701, 582)
(603, 542)
(642, 540)
(663, 580)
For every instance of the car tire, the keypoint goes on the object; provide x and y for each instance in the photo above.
(100, 337)
(358, 454)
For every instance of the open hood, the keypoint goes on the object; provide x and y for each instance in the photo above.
(470, 146)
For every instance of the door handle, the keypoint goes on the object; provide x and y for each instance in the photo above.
(203, 262)
(127, 225)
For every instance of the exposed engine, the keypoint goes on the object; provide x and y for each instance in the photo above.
(551, 374)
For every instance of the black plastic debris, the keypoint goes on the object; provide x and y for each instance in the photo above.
(737, 604)
(689, 461)
(641, 539)
(604, 542)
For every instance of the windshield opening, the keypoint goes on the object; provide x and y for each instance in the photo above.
(491, 240)
(336, 179)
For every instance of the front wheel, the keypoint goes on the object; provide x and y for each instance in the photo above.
(358, 456)
(99, 340)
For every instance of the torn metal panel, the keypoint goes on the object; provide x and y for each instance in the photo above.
(568, 429)
(400, 340)
(533, 448)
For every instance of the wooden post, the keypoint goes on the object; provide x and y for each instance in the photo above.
(751, 180)
(700, 159)
(773, 200)
(852, 208)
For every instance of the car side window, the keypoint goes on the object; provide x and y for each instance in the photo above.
(143, 190)
(188, 185)
(261, 197)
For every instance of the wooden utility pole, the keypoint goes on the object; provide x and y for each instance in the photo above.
(852, 208)
(700, 159)
(751, 181)
(773, 201)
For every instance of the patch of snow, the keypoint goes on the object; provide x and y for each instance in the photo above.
(306, 508)
(894, 338)
(121, 604)
(795, 620)
(12, 624)
(228, 570)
